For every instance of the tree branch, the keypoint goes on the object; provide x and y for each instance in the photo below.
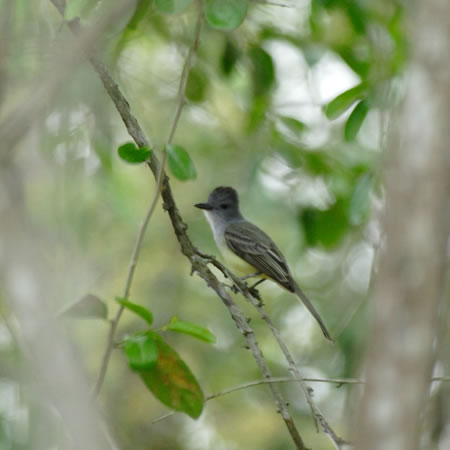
(293, 369)
(187, 248)
(45, 87)
(143, 228)
(338, 381)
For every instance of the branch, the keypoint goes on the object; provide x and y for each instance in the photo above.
(187, 248)
(45, 87)
(293, 369)
(148, 216)
(338, 381)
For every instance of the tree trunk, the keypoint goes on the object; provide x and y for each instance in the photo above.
(411, 280)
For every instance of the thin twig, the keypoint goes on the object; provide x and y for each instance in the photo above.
(126, 292)
(148, 216)
(185, 74)
(338, 381)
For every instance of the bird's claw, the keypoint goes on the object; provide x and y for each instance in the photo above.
(235, 289)
(255, 293)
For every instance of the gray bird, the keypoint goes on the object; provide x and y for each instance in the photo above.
(247, 249)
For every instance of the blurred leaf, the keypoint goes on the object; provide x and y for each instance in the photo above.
(172, 6)
(357, 61)
(182, 326)
(180, 163)
(257, 113)
(89, 307)
(294, 125)
(141, 351)
(225, 14)
(263, 71)
(132, 154)
(325, 228)
(343, 101)
(355, 120)
(359, 208)
(140, 11)
(196, 86)
(141, 311)
(172, 382)
(357, 16)
(230, 57)
(318, 162)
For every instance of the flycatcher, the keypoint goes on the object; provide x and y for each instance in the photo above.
(246, 248)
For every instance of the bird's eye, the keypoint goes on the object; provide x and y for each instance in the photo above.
(224, 205)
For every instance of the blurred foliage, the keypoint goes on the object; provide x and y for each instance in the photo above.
(286, 104)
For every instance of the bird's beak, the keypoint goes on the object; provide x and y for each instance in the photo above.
(206, 206)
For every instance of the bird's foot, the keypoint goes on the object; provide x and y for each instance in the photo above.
(255, 293)
(235, 289)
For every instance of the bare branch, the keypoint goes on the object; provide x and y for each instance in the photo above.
(338, 381)
(17, 123)
(148, 216)
(243, 325)
(293, 369)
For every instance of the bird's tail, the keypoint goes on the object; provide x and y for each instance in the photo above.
(307, 303)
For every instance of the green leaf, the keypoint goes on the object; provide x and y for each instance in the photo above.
(344, 101)
(325, 228)
(294, 125)
(172, 382)
(355, 120)
(197, 84)
(141, 311)
(263, 73)
(172, 6)
(141, 351)
(257, 112)
(140, 12)
(180, 163)
(182, 326)
(225, 14)
(132, 154)
(359, 207)
(230, 57)
(89, 307)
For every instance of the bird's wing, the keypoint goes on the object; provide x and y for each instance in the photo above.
(256, 248)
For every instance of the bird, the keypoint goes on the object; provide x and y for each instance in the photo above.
(247, 249)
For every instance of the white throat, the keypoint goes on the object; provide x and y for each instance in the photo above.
(218, 226)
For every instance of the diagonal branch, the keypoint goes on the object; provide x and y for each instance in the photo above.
(148, 216)
(293, 369)
(187, 248)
